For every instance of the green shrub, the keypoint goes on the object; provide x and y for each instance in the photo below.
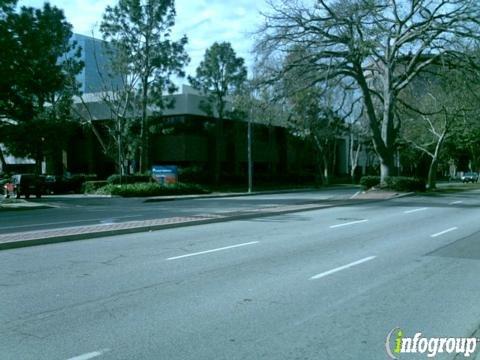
(128, 179)
(402, 183)
(75, 181)
(368, 182)
(3, 181)
(90, 187)
(151, 189)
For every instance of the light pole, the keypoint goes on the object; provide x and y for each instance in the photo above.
(249, 152)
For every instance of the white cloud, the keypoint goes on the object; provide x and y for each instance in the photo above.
(204, 22)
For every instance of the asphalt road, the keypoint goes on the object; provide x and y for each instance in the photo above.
(326, 284)
(79, 210)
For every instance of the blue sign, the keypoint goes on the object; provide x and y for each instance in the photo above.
(165, 174)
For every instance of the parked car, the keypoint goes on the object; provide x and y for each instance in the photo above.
(55, 184)
(24, 185)
(470, 177)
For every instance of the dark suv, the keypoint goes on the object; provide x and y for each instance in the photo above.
(24, 184)
(470, 177)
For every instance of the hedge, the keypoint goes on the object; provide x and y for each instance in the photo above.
(151, 189)
(128, 179)
(402, 183)
(90, 187)
(368, 182)
(397, 183)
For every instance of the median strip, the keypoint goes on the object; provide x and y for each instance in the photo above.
(344, 267)
(41, 237)
(211, 251)
(444, 232)
(30, 238)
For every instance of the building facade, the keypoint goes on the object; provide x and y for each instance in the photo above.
(94, 76)
(185, 136)
(188, 138)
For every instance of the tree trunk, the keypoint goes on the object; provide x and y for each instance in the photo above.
(432, 171)
(39, 159)
(326, 172)
(353, 173)
(386, 170)
(387, 163)
(333, 155)
(432, 174)
(38, 164)
(383, 134)
(354, 155)
(322, 160)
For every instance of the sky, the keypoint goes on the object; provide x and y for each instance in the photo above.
(203, 21)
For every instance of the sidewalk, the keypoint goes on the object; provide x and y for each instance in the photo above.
(32, 238)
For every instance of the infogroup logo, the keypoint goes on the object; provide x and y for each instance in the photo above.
(397, 343)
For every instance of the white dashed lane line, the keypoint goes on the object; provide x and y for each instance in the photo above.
(344, 267)
(212, 250)
(455, 202)
(348, 223)
(415, 210)
(89, 355)
(444, 232)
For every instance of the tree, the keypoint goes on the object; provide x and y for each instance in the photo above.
(315, 120)
(119, 96)
(256, 105)
(319, 113)
(37, 81)
(465, 138)
(7, 60)
(441, 105)
(381, 45)
(6, 6)
(140, 30)
(219, 74)
(357, 143)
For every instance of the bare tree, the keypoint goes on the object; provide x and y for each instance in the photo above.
(441, 104)
(319, 112)
(256, 105)
(119, 102)
(382, 45)
(358, 141)
(312, 119)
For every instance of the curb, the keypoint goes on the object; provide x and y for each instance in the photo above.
(96, 231)
(240, 194)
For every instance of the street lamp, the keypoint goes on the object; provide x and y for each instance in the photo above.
(249, 152)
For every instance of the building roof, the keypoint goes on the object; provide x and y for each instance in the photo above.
(92, 107)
